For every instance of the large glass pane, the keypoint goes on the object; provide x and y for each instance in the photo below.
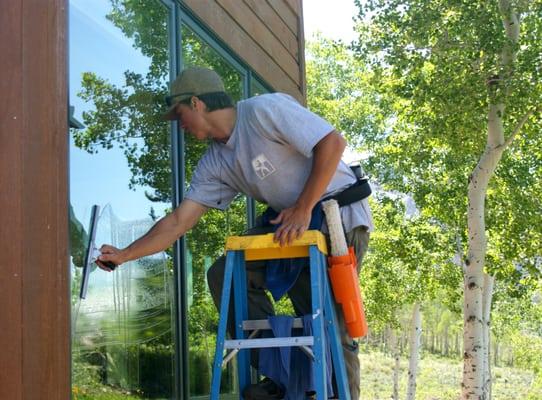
(205, 242)
(122, 331)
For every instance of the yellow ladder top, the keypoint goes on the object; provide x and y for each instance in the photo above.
(262, 247)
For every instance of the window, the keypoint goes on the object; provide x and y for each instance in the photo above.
(122, 59)
(205, 242)
(123, 331)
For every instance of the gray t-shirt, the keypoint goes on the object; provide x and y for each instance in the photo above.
(269, 157)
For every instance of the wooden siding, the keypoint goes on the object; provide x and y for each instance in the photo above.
(266, 34)
(34, 282)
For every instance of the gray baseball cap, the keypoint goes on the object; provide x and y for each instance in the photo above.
(193, 81)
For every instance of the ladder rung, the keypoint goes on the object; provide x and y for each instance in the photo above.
(251, 324)
(269, 342)
(235, 351)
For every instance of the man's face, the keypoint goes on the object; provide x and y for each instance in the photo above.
(192, 121)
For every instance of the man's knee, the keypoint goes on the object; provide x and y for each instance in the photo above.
(215, 275)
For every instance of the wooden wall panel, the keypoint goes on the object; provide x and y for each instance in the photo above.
(286, 13)
(11, 243)
(34, 273)
(295, 5)
(276, 25)
(266, 34)
(268, 42)
(218, 20)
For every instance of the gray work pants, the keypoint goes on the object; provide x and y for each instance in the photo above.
(260, 306)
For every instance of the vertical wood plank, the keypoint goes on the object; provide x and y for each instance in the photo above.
(46, 305)
(10, 205)
(34, 274)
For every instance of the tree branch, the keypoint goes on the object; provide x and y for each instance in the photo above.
(518, 127)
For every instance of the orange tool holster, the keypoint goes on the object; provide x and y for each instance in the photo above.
(344, 281)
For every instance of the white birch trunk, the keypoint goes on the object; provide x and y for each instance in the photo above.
(474, 280)
(457, 348)
(415, 335)
(446, 341)
(487, 296)
(473, 366)
(395, 352)
(496, 353)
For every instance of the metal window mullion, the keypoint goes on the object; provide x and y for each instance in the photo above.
(251, 203)
(179, 252)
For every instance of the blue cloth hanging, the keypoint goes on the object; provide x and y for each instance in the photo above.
(281, 274)
(289, 367)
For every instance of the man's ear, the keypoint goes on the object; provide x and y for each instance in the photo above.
(196, 103)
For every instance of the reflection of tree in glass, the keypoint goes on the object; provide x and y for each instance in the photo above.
(128, 116)
(123, 114)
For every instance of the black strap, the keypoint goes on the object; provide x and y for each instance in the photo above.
(356, 192)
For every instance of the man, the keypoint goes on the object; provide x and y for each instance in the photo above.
(270, 148)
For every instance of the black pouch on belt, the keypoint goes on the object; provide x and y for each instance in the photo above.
(356, 192)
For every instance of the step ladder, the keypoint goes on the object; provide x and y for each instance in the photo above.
(262, 247)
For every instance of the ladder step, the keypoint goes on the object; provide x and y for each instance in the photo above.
(269, 342)
(252, 324)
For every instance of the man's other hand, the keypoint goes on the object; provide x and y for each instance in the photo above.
(294, 221)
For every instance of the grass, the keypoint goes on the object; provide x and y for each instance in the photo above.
(439, 379)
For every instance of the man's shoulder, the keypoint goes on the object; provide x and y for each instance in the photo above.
(267, 98)
(210, 157)
(267, 105)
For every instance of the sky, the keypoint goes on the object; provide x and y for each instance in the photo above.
(334, 21)
(332, 18)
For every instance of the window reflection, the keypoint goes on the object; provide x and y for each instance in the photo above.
(256, 88)
(122, 333)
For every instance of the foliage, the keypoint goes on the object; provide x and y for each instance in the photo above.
(409, 254)
(408, 262)
(412, 96)
(339, 89)
(519, 313)
(528, 352)
(434, 65)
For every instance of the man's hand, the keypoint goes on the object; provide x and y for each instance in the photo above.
(111, 254)
(158, 238)
(294, 221)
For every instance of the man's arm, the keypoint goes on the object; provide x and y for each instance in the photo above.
(296, 219)
(159, 237)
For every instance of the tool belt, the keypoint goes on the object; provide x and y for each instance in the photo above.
(355, 192)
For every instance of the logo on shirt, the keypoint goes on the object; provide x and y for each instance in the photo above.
(262, 166)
